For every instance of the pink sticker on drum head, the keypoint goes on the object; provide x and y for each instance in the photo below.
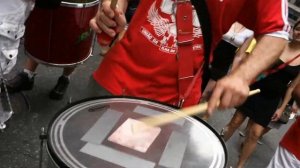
(137, 140)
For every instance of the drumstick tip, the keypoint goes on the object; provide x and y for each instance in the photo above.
(113, 4)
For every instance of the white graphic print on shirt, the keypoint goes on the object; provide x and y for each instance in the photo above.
(164, 31)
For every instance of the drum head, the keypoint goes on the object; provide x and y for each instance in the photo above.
(87, 134)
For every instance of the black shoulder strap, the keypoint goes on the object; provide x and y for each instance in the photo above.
(203, 15)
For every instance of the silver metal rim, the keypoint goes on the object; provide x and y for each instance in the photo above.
(79, 5)
(59, 65)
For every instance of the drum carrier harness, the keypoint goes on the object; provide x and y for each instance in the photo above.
(185, 54)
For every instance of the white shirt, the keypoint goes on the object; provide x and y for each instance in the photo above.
(11, 6)
(237, 39)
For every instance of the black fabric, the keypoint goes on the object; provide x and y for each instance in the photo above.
(275, 84)
(47, 4)
(132, 5)
(261, 107)
(204, 18)
(223, 58)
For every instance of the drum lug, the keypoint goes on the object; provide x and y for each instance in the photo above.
(70, 100)
(43, 134)
(43, 137)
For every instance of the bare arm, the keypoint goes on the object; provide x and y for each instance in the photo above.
(288, 94)
(232, 90)
(267, 50)
(296, 94)
(287, 98)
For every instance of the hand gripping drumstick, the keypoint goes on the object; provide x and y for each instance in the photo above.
(162, 119)
(103, 38)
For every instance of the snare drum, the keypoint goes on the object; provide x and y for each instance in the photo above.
(81, 136)
(61, 36)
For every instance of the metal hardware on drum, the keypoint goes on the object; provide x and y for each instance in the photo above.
(43, 137)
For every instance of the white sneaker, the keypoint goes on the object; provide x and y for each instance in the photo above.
(242, 134)
(259, 141)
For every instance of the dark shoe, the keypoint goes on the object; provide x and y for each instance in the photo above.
(20, 82)
(60, 88)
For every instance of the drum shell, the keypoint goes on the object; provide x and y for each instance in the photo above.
(61, 136)
(60, 36)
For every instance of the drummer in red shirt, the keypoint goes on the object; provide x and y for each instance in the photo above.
(288, 151)
(162, 54)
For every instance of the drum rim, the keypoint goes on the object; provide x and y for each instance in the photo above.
(79, 5)
(60, 163)
(60, 65)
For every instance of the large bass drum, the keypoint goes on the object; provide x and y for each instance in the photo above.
(86, 133)
(61, 36)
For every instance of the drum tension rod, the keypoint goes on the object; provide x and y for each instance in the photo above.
(43, 136)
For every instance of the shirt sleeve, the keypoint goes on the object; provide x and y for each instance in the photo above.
(266, 17)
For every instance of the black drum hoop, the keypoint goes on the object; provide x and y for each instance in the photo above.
(61, 164)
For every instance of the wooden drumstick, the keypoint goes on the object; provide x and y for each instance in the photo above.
(165, 118)
(113, 4)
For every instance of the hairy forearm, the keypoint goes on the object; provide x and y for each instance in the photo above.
(267, 50)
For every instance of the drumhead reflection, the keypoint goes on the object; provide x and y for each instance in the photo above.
(94, 133)
(137, 140)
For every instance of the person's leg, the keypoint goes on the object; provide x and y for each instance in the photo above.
(62, 84)
(25, 79)
(68, 71)
(266, 130)
(253, 134)
(30, 64)
(237, 119)
(244, 132)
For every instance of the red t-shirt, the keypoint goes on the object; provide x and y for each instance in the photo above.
(144, 64)
(291, 139)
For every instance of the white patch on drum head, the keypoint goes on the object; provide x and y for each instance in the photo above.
(174, 151)
(99, 131)
(116, 157)
(137, 140)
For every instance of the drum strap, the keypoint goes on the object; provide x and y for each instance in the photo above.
(185, 54)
